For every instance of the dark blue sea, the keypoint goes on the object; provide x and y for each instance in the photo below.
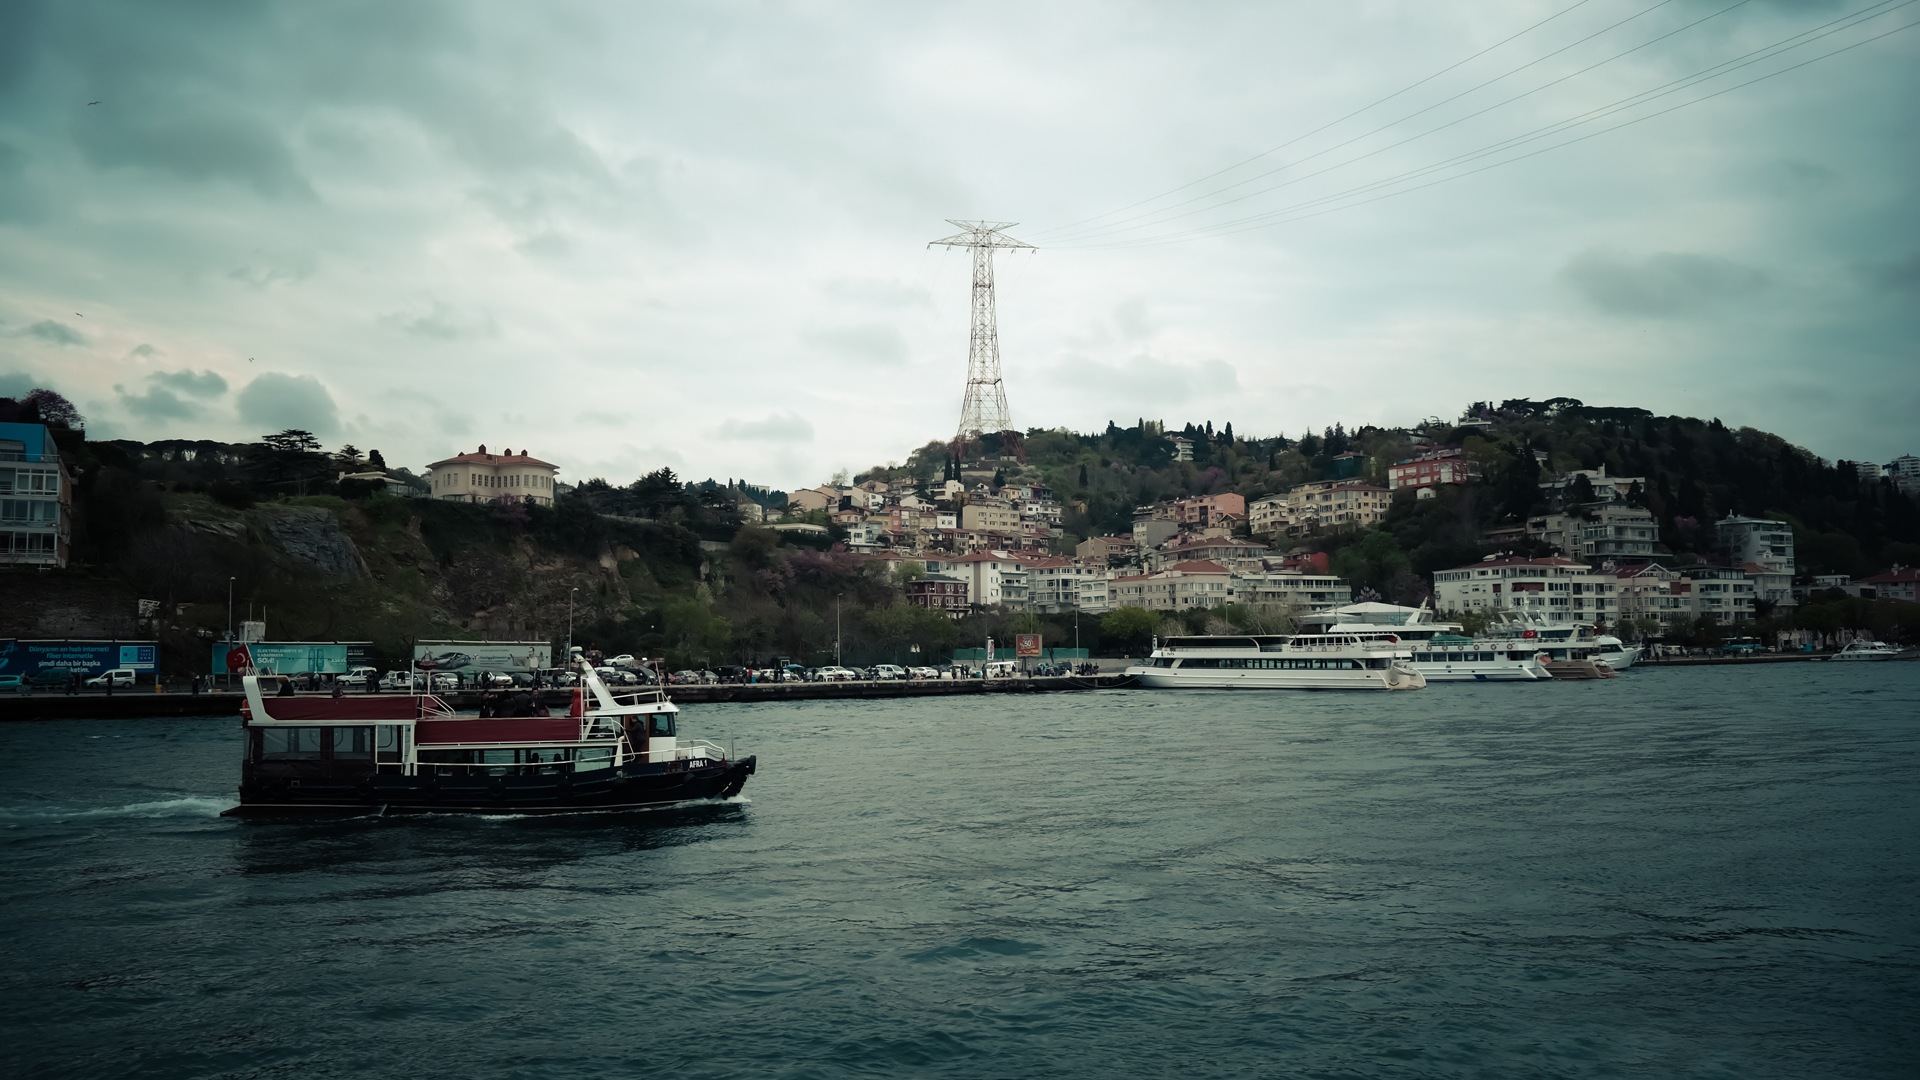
(1679, 873)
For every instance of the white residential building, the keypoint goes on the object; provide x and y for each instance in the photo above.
(1178, 588)
(1290, 589)
(1560, 590)
(484, 477)
(994, 578)
(1757, 540)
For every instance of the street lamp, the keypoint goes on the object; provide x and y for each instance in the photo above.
(570, 593)
(229, 611)
(836, 630)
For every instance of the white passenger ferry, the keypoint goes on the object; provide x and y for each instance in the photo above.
(1440, 651)
(1279, 662)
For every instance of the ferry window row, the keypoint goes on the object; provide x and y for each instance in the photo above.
(530, 761)
(1274, 663)
(314, 743)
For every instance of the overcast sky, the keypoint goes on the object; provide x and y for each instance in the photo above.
(630, 235)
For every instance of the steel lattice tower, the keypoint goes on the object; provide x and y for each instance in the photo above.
(985, 407)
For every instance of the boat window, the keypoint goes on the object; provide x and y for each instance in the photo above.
(352, 742)
(290, 744)
(589, 758)
(663, 725)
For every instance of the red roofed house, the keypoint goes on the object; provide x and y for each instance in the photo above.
(1898, 583)
(484, 477)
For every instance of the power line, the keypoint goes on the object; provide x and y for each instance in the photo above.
(1382, 101)
(1118, 228)
(1288, 214)
(1419, 112)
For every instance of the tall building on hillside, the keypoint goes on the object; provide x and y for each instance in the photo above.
(36, 498)
(1757, 540)
(484, 477)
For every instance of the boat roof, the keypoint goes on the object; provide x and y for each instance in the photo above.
(535, 729)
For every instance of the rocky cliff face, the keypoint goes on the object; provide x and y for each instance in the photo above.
(312, 536)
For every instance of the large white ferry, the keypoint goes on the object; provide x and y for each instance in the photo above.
(1441, 651)
(1279, 662)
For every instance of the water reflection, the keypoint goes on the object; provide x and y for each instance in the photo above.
(501, 844)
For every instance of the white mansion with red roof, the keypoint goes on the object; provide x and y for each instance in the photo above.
(1558, 589)
(484, 477)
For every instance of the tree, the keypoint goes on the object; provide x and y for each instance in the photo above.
(375, 461)
(292, 441)
(349, 456)
(1128, 627)
(55, 410)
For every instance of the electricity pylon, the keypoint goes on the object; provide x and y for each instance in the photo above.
(985, 407)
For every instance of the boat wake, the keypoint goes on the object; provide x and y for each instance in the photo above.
(190, 806)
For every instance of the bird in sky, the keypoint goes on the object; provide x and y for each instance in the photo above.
(93, 103)
(77, 313)
(249, 359)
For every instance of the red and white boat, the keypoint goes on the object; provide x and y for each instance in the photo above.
(392, 753)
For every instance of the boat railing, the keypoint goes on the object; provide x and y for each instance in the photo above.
(688, 749)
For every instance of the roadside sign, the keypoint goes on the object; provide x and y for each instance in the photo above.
(1026, 644)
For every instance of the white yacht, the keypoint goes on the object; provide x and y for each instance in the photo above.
(1280, 662)
(1618, 654)
(1866, 649)
(1441, 651)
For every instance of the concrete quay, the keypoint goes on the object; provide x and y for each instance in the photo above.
(140, 706)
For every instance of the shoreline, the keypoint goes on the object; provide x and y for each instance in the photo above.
(143, 706)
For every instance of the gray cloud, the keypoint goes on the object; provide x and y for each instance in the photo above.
(441, 322)
(275, 401)
(203, 384)
(878, 293)
(14, 384)
(55, 332)
(158, 403)
(1902, 275)
(776, 427)
(264, 270)
(220, 143)
(1659, 285)
(874, 342)
(143, 351)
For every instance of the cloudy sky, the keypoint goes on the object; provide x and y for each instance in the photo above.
(628, 235)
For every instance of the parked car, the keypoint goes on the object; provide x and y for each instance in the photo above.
(116, 677)
(831, 673)
(363, 677)
(493, 680)
(624, 660)
(53, 676)
(614, 676)
(444, 680)
(923, 673)
(886, 671)
(397, 680)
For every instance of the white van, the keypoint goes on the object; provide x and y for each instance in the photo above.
(1002, 669)
(363, 677)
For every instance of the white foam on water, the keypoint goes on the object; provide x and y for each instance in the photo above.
(181, 806)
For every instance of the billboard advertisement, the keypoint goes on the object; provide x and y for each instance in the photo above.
(1026, 644)
(87, 657)
(280, 658)
(470, 656)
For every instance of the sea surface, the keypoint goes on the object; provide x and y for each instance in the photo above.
(1677, 873)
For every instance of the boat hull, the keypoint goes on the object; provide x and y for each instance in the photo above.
(625, 788)
(1209, 679)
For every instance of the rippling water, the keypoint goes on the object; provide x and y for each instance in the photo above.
(1693, 872)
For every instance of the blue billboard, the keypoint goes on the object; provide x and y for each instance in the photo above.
(280, 658)
(31, 658)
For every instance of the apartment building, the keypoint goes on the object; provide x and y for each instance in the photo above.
(994, 578)
(1201, 511)
(939, 592)
(1440, 467)
(989, 516)
(36, 498)
(1609, 531)
(1180, 587)
(1105, 550)
(1756, 540)
(1327, 504)
(1290, 589)
(1558, 589)
(484, 477)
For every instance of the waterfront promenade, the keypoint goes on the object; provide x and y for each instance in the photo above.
(140, 705)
